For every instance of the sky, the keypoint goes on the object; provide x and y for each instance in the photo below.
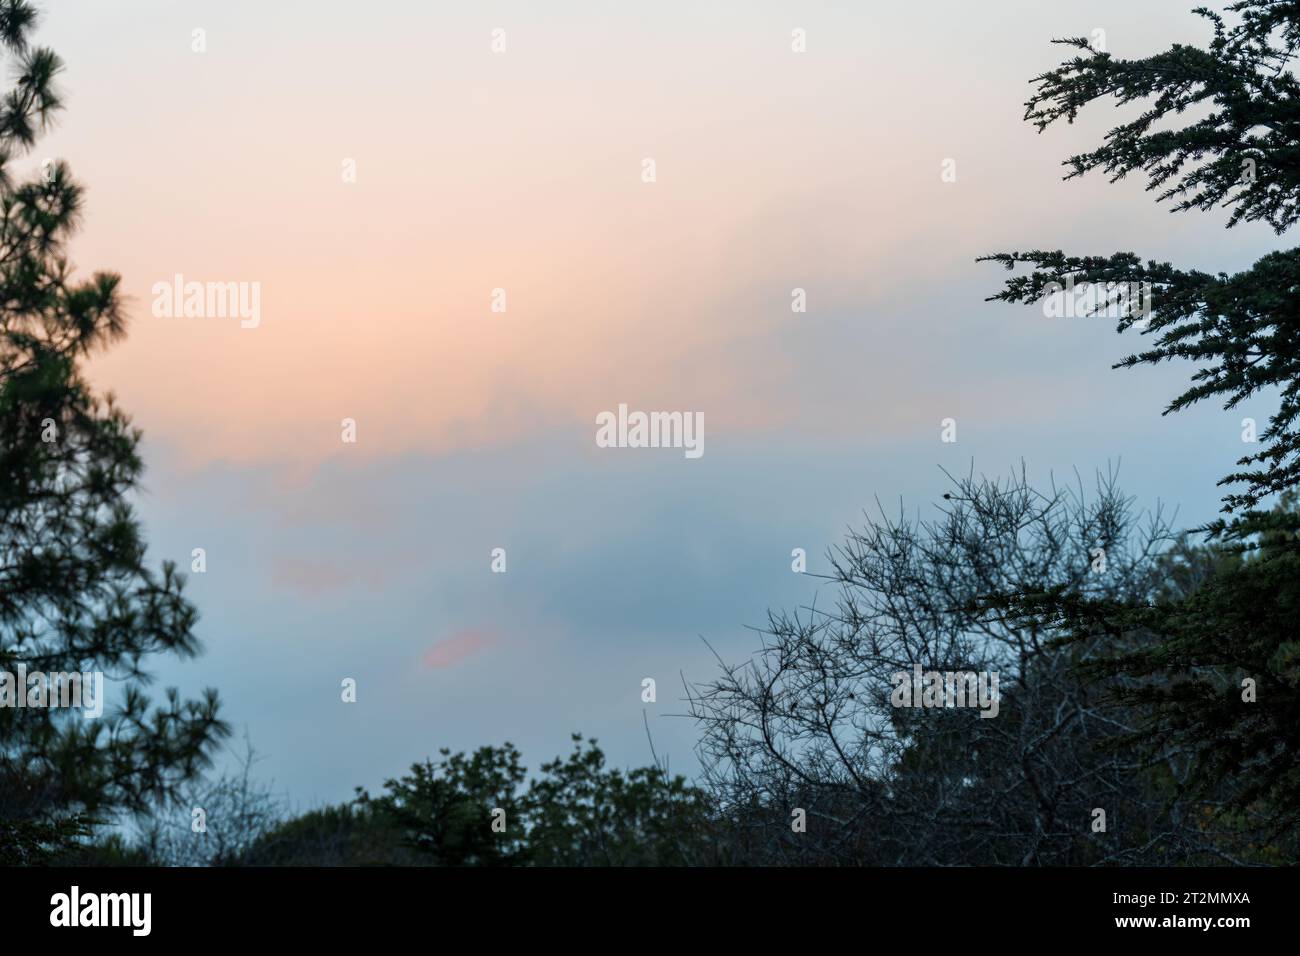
(380, 172)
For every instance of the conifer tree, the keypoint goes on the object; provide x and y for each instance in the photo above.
(1242, 330)
(1211, 663)
(76, 593)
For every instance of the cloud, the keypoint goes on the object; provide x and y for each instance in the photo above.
(456, 648)
(312, 578)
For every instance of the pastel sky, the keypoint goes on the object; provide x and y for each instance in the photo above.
(522, 170)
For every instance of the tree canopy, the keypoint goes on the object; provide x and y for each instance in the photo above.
(76, 592)
(1242, 330)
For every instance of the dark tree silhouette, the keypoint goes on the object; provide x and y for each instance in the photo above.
(1242, 330)
(1207, 665)
(475, 810)
(809, 721)
(75, 592)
